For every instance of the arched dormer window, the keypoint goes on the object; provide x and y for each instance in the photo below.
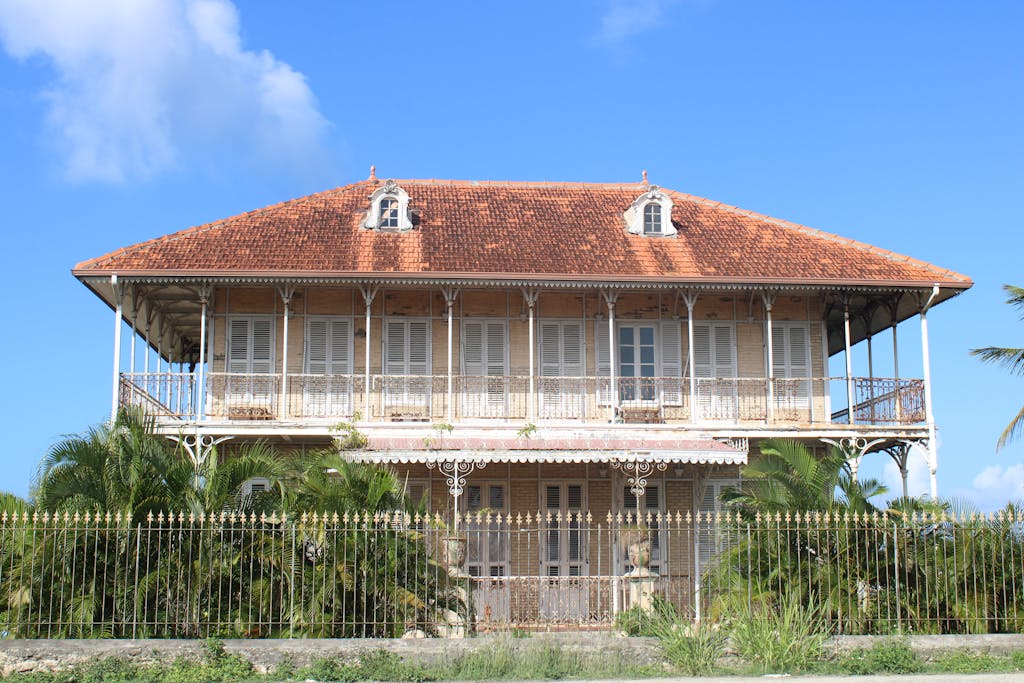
(652, 218)
(389, 209)
(650, 214)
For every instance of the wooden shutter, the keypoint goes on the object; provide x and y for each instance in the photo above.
(316, 347)
(714, 365)
(473, 348)
(671, 364)
(561, 357)
(238, 346)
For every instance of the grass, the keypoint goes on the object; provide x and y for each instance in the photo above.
(693, 650)
(779, 637)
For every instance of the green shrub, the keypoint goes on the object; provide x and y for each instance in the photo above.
(967, 662)
(1017, 660)
(693, 648)
(637, 621)
(785, 637)
(886, 656)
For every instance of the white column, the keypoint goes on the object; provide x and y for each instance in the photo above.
(200, 397)
(145, 359)
(769, 299)
(368, 295)
(449, 300)
(849, 363)
(286, 296)
(610, 298)
(690, 298)
(895, 353)
(116, 289)
(531, 405)
(933, 450)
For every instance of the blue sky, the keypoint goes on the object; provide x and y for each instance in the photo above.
(898, 124)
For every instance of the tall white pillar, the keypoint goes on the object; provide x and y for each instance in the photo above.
(610, 299)
(531, 403)
(286, 296)
(933, 449)
(200, 398)
(449, 300)
(116, 289)
(690, 298)
(849, 363)
(368, 295)
(769, 299)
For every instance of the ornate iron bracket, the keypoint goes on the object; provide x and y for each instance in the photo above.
(455, 473)
(198, 446)
(637, 471)
(855, 448)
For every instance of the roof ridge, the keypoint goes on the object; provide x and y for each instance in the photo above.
(824, 234)
(441, 182)
(202, 227)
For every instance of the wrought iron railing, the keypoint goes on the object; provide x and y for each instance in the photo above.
(415, 398)
(89, 574)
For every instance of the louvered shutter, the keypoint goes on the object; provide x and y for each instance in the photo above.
(473, 348)
(316, 347)
(791, 361)
(407, 363)
(671, 364)
(714, 361)
(262, 346)
(561, 359)
(703, 369)
(238, 346)
(341, 346)
(602, 363)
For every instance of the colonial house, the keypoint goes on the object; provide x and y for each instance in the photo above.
(524, 347)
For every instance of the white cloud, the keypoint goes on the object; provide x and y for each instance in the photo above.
(625, 19)
(996, 485)
(144, 85)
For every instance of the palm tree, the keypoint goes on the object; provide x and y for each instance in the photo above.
(1010, 358)
(789, 477)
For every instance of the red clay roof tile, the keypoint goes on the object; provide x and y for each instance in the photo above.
(560, 231)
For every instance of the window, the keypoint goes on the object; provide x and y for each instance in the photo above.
(407, 381)
(650, 214)
(561, 369)
(250, 365)
(327, 384)
(649, 363)
(483, 368)
(487, 551)
(714, 366)
(791, 368)
(388, 213)
(389, 209)
(652, 219)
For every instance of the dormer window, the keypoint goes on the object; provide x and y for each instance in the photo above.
(389, 209)
(388, 213)
(652, 218)
(650, 214)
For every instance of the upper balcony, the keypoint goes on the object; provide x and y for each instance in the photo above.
(704, 402)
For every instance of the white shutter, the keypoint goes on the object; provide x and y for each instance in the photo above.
(561, 359)
(316, 347)
(341, 348)
(419, 348)
(472, 348)
(407, 363)
(791, 361)
(714, 361)
(238, 346)
(602, 363)
(671, 364)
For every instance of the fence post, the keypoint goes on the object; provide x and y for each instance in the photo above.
(896, 562)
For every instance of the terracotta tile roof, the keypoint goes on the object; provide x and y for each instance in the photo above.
(561, 231)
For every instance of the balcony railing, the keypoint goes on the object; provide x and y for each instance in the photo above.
(413, 398)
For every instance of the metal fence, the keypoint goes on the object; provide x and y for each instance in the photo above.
(382, 574)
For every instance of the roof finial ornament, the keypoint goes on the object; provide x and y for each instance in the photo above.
(645, 176)
(373, 173)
